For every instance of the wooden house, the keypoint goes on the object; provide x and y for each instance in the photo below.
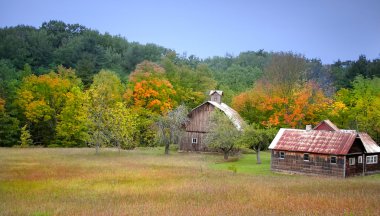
(198, 124)
(324, 150)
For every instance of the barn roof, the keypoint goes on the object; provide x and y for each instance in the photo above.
(321, 141)
(230, 113)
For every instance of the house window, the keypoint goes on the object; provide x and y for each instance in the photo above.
(194, 140)
(371, 159)
(360, 159)
(351, 161)
(306, 157)
(333, 159)
(282, 155)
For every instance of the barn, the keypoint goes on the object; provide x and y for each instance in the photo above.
(198, 124)
(324, 150)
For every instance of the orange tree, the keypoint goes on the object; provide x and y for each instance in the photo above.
(149, 88)
(265, 104)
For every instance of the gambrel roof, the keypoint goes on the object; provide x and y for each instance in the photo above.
(234, 116)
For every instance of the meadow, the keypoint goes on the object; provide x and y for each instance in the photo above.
(69, 181)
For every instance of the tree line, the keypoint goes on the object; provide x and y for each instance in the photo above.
(67, 85)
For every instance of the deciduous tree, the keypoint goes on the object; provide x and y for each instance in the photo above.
(222, 134)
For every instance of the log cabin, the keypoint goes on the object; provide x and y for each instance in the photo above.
(324, 150)
(198, 124)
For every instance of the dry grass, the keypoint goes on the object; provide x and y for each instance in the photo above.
(145, 182)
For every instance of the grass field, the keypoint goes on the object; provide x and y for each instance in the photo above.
(145, 182)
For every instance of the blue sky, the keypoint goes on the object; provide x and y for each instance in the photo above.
(325, 29)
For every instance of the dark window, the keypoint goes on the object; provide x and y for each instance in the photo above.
(333, 159)
(306, 157)
(282, 155)
(194, 140)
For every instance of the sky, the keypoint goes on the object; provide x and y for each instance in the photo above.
(324, 29)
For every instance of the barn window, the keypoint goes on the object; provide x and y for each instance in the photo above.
(351, 161)
(282, 155)
(194, 140)
(360, 159)
(333, 159)
(372, 159)
(306, 157)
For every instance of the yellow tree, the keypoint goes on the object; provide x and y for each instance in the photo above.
(42, 98)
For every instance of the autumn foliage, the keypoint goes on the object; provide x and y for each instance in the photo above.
(266, 105)
(148, 88)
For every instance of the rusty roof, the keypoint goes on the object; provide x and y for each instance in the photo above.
(315, 141)
(369, 144)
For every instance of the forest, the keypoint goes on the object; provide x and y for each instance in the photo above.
(65, 85)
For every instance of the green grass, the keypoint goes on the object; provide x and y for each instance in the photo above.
(56, 181)
(247, 163)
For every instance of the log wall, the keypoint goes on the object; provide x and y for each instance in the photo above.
(318, 164)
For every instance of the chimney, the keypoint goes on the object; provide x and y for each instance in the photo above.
(308, 128)
(216, 96)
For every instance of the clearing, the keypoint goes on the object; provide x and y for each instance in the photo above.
(43, 181)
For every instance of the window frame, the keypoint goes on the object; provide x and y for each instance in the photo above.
(307, 155)
(281, 155)
(336, 159)
(373, 160)
(351, 161)
(360, 159)
(194, 140)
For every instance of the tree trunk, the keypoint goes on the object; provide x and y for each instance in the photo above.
(258, 156)
(118, 146)
(226, 155)
(167, 148)
(97, 147)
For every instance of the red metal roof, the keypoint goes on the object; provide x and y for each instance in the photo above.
(315, 141)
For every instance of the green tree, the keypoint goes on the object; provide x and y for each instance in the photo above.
(25, 137)
(257, 139)
(170, 126)
(122, 125)
(104, 93)
(222, 134)
(73, 123)
(9, 131)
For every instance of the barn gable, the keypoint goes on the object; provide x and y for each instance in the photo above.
(199, 118)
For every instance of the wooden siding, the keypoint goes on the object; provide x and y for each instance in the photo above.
(372, 168)
(200, 117)
(355, 169)
(318, 164)
(196, 128)
(187, 145)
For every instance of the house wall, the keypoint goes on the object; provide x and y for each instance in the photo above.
(372, 168)
(355, 169)
(197, 128)
(318, 164)
(355, 151)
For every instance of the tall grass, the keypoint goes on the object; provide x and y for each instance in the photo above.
(146, 182)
